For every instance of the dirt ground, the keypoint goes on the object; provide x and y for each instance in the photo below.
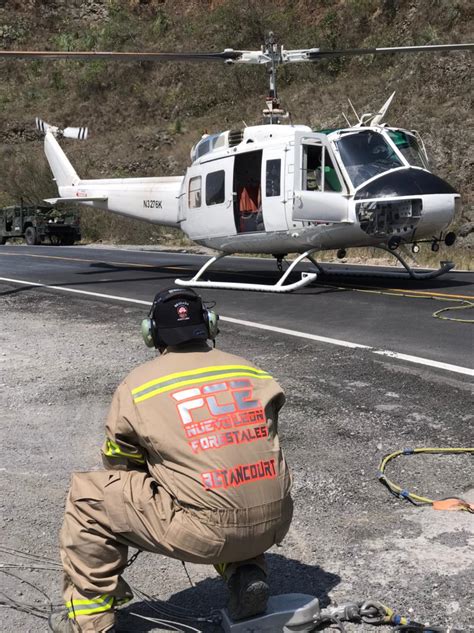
(60, 361)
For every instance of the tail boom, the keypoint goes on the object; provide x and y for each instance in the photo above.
(154, 200)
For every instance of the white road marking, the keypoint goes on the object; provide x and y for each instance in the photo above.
(75, 290)
(313, 337)
(426, 361)
(282, 330)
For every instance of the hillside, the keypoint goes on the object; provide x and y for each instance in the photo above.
(143, 118)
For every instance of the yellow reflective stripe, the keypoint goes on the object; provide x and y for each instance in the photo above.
(220, 568)
(193, 372)
(114, 450)
(89, 607)
(72, 614)
(193, 381)
(104, 598)
(94, 605)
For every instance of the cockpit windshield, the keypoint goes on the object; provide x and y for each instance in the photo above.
(366, 154)
(409, 147)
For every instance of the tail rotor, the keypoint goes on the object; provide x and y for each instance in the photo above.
(79, 133)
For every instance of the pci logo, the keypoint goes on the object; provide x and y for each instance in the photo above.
(153, 204)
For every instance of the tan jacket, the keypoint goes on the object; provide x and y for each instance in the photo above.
(204, 425)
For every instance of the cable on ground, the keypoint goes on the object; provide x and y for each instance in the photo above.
(453, 503)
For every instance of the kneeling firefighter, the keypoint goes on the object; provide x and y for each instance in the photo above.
(194, 471)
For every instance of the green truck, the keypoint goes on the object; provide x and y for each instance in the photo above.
(38, 224)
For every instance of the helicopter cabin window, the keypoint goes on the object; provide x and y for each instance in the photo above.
(194, 193)
(318, 170)
(409, 147)
(215, 187)
(273, 178)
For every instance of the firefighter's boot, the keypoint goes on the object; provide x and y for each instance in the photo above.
(248, 592)
(60, 622)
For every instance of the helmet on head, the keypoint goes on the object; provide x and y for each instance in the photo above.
(177, 315)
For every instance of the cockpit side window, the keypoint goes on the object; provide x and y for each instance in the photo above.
(366, 154)
(319, 173)
(312, 166)
(331, 179)
(409, 147)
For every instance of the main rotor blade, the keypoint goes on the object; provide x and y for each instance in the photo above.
(227, 55)
(315, 54)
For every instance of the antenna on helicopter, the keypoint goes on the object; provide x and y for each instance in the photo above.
(381, 113)
(347, 120)
(354, 111)
(370, 119)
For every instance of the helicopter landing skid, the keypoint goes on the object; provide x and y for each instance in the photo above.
(398, 274)
(279, 286)
(431, 274)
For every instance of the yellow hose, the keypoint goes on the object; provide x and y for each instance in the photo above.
(403, 493)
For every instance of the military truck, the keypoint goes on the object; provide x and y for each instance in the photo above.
(39, 223)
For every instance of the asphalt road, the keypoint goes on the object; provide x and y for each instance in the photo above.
(63, 353)
(61, 357)
(367, 310)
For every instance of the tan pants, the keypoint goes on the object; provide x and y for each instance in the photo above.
(107, 511)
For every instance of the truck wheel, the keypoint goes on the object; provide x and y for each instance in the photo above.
(3, 240)
(31, 237)
(67, 241)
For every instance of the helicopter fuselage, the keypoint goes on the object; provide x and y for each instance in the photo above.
(281, 188)
(287, 189)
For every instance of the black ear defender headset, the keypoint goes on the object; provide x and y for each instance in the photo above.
(164, 326)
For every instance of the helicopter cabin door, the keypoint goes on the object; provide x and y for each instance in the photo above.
(247, 192)
(207, 209)
(320, 196)
(273, 189)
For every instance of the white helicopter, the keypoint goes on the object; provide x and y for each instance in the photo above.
(279, 188)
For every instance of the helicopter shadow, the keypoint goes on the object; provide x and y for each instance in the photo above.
(171, 272)
(403, 283)
(286, 575)
(99, 267)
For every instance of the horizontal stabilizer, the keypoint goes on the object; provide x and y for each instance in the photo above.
(77, 199)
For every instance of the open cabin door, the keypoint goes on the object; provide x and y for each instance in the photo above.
(273, 189)
(259, 191)
(207, 200)
(319, 195)
(247, 192)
